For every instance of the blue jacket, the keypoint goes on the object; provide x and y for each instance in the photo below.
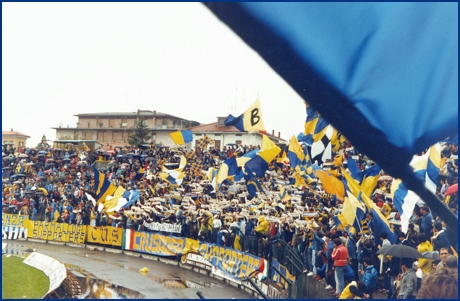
(426, 224)
(370, 278)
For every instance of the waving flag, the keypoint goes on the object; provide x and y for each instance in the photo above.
(102, 186)
(379, 221)
(182, 137)
(249, 121)
(353, 211)
(315, 125)
(253, 185)
(331, 184)
(259, 164)
(132, 196)
(116, 202)
(228, 168)
(295, 153)
(426, 168)
(175, 176)
(204, 142)
(241, 161)
(327, 52)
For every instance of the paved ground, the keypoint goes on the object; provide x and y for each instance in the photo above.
(163, 281)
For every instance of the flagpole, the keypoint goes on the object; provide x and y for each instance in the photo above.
(359, 224)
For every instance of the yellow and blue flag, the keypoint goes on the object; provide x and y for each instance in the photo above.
(250, 121)
(426, 168)
(182, 137)
(175, 176)
(295, 153)
(315, 125)
(252, 184)
(241, 161)
(228, 168)
(204, 142)
(353, 211)
(102, 186)
(259, 164)
(379, 221)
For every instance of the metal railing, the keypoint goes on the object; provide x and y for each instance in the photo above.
(294, 264)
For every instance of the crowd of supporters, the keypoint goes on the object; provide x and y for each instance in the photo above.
(53, 185)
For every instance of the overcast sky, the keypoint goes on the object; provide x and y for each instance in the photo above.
(61, 59)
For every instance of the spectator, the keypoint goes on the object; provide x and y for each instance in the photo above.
(386, 262)
(354, 290)
(408, 284)
(424, 246)
(452, 265)
(442, 285)
(340, 257)
(439, 239)
(427, 223)
(369, 277)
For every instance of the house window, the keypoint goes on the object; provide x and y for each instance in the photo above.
(238, 134)
(198, 134)
(217, 134)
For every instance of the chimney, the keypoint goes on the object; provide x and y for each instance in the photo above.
(279, 134)
(138, 112)
(273, 132)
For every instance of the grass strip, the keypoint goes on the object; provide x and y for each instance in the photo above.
(21, 281)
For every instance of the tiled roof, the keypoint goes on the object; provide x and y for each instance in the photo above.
(213, 128)
(14, 133)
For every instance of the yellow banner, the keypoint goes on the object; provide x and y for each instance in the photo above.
(105, 235)
(17, 220)
(57, 232)
(157, 244)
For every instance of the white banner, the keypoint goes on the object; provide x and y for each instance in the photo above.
(165, 227)
(52, 268)
(13, 232)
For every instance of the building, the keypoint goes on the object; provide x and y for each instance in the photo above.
(114, 128)
(230, 135)
(14, 138)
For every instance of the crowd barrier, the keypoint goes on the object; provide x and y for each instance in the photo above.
(227, 263)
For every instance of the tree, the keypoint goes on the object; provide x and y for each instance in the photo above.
(140, 133)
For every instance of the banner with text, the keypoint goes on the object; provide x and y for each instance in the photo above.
(232, 263)
(153, 243)
(57, 232)
(163, 227)
(105, 235)
(14, 226)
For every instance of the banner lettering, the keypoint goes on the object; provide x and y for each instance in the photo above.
(57, 232)
(12, 232)
(105, 235)
(157, 244)
(14, 220)
(163, 227)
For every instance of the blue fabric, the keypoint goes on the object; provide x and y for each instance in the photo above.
(390, 68)
(370, 278)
